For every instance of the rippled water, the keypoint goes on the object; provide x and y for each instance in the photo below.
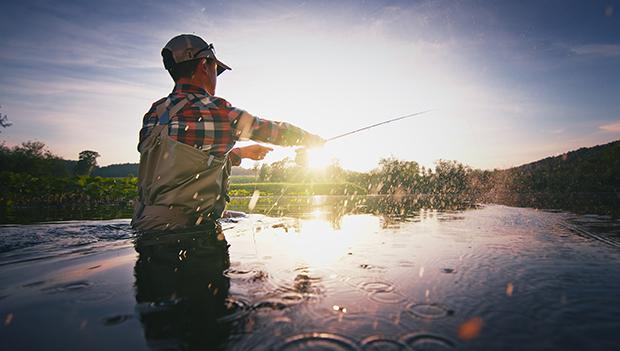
(484, 279)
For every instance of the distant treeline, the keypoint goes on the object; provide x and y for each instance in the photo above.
(585, 180)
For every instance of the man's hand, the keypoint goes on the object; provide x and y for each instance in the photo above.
(254, 152)
(311, 140)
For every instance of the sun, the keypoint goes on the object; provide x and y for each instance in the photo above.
(319, 158)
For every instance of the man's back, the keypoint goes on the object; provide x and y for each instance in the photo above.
(208, 123)
(204, 122)
(187, 142)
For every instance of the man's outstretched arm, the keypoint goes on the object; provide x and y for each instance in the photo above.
(263, 130)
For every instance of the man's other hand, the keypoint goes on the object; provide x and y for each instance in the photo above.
(254, 152)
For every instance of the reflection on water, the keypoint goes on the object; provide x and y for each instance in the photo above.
(326, 276)
(392, 209)
(181, 291)
(329, 207)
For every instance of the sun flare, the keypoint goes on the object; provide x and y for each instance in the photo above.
(319, 158)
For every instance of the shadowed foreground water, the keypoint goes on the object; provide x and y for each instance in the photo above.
(484, 279)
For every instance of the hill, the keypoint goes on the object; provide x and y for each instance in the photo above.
(117, 170)
(587, 179)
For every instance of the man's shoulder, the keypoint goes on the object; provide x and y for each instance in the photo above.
(210, 101)
(160, 101)
(157, 103)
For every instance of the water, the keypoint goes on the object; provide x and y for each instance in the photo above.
(321, 279)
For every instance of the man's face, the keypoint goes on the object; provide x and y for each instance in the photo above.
(210, 72)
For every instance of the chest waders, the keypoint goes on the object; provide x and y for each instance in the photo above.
(179, 186)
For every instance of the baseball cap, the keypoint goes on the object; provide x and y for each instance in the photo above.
(187, 47)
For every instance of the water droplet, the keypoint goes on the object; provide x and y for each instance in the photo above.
(197, 208)
(199, 220)
(236, 309)
(197, 175)
(115, 320)
(254, 200)
(317, 341)
(195, 195)
(470, 329)
(380, 343)
(8, 319)
(509, 289)
(165, 156)
(372, 287)
(421, 272)
(430, 311)
(423, 341)
(389, 297)
(186, 128)
(339, 308)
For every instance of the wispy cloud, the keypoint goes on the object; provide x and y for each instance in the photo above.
(612, 127)
(77, 74)
(597, 50)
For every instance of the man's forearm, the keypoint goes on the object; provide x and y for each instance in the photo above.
(281, 133)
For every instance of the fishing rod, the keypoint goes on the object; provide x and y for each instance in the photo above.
(347, 134)
(377, 124)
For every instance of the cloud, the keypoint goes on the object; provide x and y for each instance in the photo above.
(612, 127)
(597, 50)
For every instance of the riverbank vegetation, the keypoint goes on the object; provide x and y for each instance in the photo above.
(583, 180)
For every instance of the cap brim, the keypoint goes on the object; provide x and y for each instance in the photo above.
(221, 67)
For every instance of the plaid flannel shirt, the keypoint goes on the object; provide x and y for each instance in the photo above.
(208, 122)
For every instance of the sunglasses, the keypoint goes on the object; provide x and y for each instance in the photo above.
(211, 48)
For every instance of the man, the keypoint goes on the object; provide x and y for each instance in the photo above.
(187, 142)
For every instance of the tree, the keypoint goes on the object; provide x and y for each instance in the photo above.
(86, 163)
(33, 158)
(4, 120)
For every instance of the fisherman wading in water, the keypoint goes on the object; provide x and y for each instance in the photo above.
(186, 152)
(187, 142)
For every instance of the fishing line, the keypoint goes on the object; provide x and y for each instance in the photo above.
(377, 124)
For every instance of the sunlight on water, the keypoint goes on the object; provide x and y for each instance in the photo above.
(315, 243)
(331, 277)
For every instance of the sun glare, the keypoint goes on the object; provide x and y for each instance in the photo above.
(319, 158)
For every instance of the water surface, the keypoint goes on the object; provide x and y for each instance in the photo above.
(483, 279)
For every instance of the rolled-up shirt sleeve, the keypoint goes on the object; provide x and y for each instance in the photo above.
(278, 133)
(247, 126)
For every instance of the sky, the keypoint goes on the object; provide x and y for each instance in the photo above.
(509, 82)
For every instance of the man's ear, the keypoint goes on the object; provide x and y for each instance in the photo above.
(203, 65)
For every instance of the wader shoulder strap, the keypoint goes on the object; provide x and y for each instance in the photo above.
(164, 111)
